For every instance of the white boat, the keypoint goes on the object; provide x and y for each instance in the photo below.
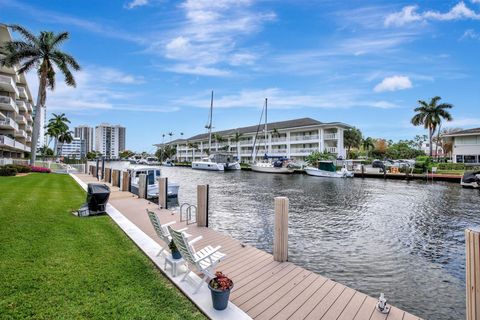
(471, 179)
(152, 160)
(281, 165)
(153, 173)
(215, 161)
(328, 169)
(168, 163)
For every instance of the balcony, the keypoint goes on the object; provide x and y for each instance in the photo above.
(22, 92)
(279, 140)
(2, 116)
(330, 136)
(29, 118)
(29, 107)
(246, 143)
(279, 151)
(22, 106)
(7, 103)
(7, 83)
(303, 150)
(29, 128)
(8, 124)
(331, 149)
(20, 134)
(21, 119)
(304, 138)
(7, 141)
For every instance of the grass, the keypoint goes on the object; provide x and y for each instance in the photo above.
(54, 265)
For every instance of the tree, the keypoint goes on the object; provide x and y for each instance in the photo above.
(65, 137)
(92, 155)
(315, 157)
(419, 140)
(352, 138)
(57, 126)
(236, 138)
(165, 152)
(430, 115)
(125, 154)
(368, 144)
(45, 151)
(171, 135)
(193, 146)
(42, 53)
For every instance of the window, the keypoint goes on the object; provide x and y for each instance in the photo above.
(459, 158)
(470, 159)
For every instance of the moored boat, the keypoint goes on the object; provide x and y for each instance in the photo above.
(328, 169)
(471, 179)
(278, 166)
(153, 173)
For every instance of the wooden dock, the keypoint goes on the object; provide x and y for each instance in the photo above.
(263, 288)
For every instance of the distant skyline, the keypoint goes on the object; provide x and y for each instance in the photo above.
(150, 65)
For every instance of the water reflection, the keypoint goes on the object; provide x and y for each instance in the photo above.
(403, 238)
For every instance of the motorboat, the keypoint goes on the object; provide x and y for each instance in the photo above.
(329, 170)
(152, 160)
(217, 162)
(281, 165)
(168, 163)
(471, 179)
(153, 173)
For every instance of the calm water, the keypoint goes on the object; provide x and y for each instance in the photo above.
(402, 238)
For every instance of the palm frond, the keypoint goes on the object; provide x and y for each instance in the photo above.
(59, 38)
(27, 35)
(28, 65)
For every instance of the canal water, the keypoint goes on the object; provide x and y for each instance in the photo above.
(405, 239)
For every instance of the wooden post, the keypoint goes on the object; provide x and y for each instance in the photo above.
(125, 181)
(280, 240)
(472, 266)
(142, 186)
(363, 170)
(202, 205)
(115, 175)
(163, 193)
(108, 174)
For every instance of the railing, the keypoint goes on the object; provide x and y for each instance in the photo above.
(22, 92)
(331, 149)
(279, 151)
(7, 101)
(7, 80)
(21, 134)
(9, 122)
(276, 140)
(7, 141)
(246, 143)
(22, 106)
(330, 136)
(304, 138)
(303, 150)
(29, 107)
(188, 212)
(21, 119)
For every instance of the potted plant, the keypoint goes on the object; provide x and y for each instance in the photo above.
(220, 287)
(173, 249)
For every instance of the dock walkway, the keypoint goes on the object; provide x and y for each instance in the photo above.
(263, 288)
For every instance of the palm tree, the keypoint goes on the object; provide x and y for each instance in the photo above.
(56, 127)
(236, 138)
(218, 139)
(65, 137)
(193, 146)
(367, 144)
(171, 135)
(352, 138)
(42, 53)
(430, 115)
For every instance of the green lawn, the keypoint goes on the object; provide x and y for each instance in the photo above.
(54, 265)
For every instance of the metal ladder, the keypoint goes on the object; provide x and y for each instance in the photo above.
(187, 209)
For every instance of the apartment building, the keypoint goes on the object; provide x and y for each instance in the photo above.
(85, 133)
(72, 150)
(293, 139)
(465, 146)
(16, 110)
(110, 140)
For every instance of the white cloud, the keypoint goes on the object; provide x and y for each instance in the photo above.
(136, 3)
(208, 41)
(470, 34)
(409, 14)
(393, 83)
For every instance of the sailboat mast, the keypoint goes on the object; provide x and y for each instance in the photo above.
(266, 134)
(210, 125)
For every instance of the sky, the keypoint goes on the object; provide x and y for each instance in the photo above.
(150, 65)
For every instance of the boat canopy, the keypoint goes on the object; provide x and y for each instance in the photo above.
(327, 166)
(281, 158)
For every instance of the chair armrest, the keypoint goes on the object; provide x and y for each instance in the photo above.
(169, 223)
(209, 254)
(195, 240)
(181, 230)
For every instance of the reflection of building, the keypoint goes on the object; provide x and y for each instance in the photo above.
(85, 133)
(16, 110)
(110, 140)
(293, 139)
(74, 150)
(466, 145)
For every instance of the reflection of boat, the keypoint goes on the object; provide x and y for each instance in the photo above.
(280, 165)
(471, 179)
(153, 173)
(329, 170)
(215, 161)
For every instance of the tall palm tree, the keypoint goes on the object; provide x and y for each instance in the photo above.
(193, 146)
(42, 53)
(65, 137)
(367, 144)
(236, 138)
(430, 115)
(57, 126)
(171, 135)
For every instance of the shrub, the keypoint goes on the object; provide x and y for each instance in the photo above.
(7, 171)
(422, 162)
(40, 169)
(449, 166)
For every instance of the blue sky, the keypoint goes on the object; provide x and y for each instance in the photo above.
(150, 64)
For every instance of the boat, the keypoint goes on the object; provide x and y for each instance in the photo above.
(168, 163)
(268, 165)
(153, 173)
(329, 170)
(471, 179)
(215, 161)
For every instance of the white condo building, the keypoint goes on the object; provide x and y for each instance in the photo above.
(85, 133)
(466, 146)
(110, 140)
(73, 150)
(294, 139)
(16, 110)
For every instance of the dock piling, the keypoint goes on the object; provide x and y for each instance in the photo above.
(142, 186)
(472, 244)
(108, 174)
(163, 193)
(125, 181)
(280, 240)
(202, 205)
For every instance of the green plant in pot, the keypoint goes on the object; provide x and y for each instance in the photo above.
(173, 249)
(220, 287)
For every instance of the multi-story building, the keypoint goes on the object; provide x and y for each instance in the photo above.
(294, 139)
(110, 140)
(85, 133)
(73, 150)
(16, 110)
(465, 146)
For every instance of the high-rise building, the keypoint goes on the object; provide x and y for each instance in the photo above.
(85, 133)
(16, 110)
(73, 150)
(110, 140)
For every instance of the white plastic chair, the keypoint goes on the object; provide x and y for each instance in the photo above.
(204, 260)
(161, 229)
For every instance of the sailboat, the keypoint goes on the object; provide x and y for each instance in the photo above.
(270, 164)
(216, 161)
